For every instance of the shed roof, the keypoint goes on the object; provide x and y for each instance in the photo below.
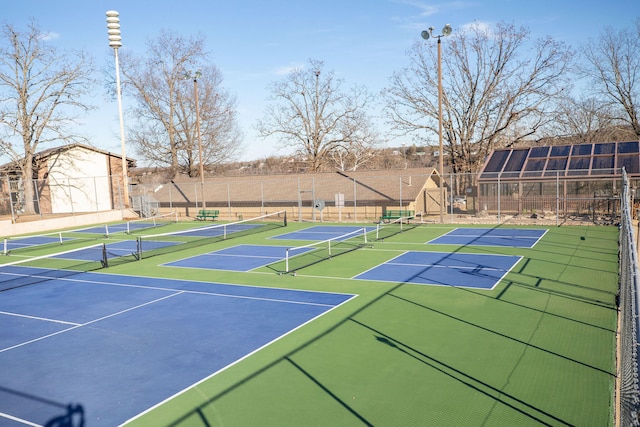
(50, 152)
(384, 185)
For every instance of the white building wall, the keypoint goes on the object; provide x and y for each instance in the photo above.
(79, 181)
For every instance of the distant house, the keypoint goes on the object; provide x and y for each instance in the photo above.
(71, 178)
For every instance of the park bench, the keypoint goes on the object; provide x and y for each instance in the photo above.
(204, 214)
(392, 215)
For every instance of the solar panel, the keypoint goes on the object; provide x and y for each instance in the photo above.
(631, 164)
(628, 147)
(556, 165)
(607, 148)
(582, 150)
(534, 167)
(516, 161)
(538, 152)
(599, 159)
(496, 161)
(579, 166)
(560, 150)
(602, 165)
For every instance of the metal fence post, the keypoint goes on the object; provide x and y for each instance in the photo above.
(499, 197)
(229, 198)
(355, 202)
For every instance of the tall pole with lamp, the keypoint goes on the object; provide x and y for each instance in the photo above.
(426, 34)
(115, 42)
(195, 76)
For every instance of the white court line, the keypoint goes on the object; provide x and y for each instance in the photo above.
(39, 318)
(90, 322)
(20, 420)
(160, 288)
(224, 368)
(240, 256)
(454, 267)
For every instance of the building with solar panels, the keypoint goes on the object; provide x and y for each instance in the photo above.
(559, 180)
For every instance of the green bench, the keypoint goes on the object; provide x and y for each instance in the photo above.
(392, 215)
(204, 214)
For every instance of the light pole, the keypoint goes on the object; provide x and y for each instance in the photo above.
(446, 30)
(115, 41)
(195, 76)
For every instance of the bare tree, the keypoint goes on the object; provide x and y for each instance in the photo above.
(359, 150)
(165, 128)
(323, 124)
(497, 90)
(586, 120)
(613, 67)
(41, 90)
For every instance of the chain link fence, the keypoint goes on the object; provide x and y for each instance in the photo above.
(366, 196)
(628, 390)
(341, 197)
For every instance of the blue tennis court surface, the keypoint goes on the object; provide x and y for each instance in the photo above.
(506, 237)
(323, 232)
(118, 345)
(442, 268)
(235, 258)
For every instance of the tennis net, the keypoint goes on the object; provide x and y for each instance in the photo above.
(151, 222)
(397, 226)
(148, 245)
(299, 257)
(56, 266)
(26, 244)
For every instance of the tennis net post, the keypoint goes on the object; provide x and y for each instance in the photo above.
(397, 226)
(316, 252)
(47, 240)
(151, 222)
(156, 244)
(39, 269)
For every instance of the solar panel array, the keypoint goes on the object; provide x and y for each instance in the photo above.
(565, 161)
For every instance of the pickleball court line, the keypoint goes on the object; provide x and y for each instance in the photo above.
(456, 267)
(80, 325)
(376, 266)
(238, 256)
(391, 262)
(487, 235)
(224, 368)
(219, 294)
(26, 316)
(20, 420)
(409, 282)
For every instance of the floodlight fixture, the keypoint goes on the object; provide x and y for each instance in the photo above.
(446, 31)
(115, 42)
(426, 34)
(195, 75)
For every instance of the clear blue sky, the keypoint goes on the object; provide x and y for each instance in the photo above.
(254, 41)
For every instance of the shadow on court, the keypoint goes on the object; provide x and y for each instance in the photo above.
(371, 330)
(57, 414)
(477, 385)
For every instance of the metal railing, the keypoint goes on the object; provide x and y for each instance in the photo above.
(628, 388)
